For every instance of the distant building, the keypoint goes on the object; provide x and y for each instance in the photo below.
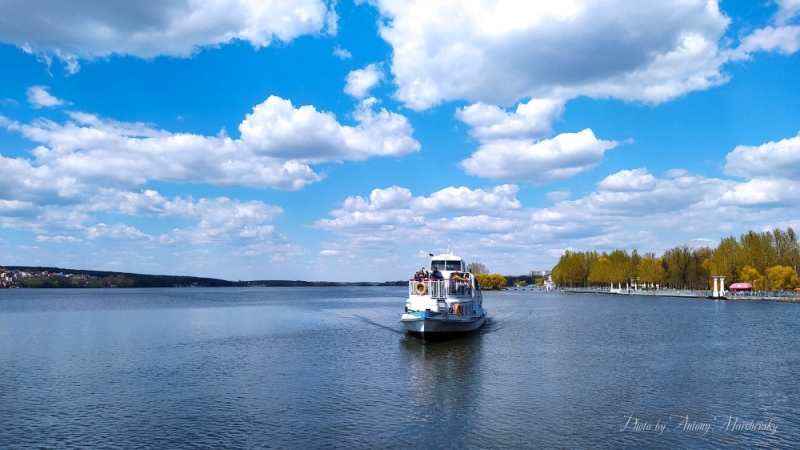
(540, 273)
(548, 284)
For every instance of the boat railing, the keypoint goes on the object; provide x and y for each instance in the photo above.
(460, 287)
(437, 289)
(440, 288)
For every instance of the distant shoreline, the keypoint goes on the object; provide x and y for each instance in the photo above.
(28, 277)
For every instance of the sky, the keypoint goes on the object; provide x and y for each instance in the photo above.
(346, 140)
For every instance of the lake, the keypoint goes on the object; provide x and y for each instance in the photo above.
(331, 368)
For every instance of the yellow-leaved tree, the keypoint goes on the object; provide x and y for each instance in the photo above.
(749, 274)
(779, 278)
(650, 270)
(491, 281)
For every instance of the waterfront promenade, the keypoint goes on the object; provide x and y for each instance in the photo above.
(778, 296)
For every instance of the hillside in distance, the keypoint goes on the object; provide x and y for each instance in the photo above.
(57, 277)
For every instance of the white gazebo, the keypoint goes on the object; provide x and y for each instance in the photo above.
(718, 293)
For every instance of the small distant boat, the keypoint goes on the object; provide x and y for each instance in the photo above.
(443, 302)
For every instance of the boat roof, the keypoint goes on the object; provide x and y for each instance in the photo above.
(446, 257)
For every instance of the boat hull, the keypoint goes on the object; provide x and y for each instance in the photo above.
(438, 326)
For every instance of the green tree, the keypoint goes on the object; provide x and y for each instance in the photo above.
(600, 272)
(621, 267)
(702, 274)
(724, 260)
(678, 261)
(568, 270)
(758, 250)
(745, 259)
(573, 268)
(650, 270)
(635, 260)
(786, 248)
(794, 252)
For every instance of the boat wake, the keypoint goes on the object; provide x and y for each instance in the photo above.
(498, 322)
(386, 327)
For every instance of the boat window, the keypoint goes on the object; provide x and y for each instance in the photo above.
(447, 265)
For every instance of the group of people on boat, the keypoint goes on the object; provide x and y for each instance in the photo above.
(423, 274)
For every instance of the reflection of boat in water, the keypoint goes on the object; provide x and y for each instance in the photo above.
(444, 302)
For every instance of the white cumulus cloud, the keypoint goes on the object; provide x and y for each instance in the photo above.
(782, 39)
(277, 144)
(462, 198)
(118, 231)
(547, 160)
(342, 53)
(628, 181)
(84, 29)
(360, 81)
(379, 199)
(474, 224)
(781, 36)
(209, 210)
(787, 10)
(498, 52)
(533, 119)
(39, 97)
(276, 128)
(770, 160)
(764, 193)
(396, 210)
(58, 239)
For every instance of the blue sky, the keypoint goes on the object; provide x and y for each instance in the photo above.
(345, 140)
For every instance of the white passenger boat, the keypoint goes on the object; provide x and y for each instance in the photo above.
(444, 302)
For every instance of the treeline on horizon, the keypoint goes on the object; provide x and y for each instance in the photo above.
(106, 279)
(103, 279)
(767, 260)
(488, 280)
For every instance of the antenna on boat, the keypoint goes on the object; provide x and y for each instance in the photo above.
(448, 247)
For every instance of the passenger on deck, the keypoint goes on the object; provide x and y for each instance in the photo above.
(436, 273)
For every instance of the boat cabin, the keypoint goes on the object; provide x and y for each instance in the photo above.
(447, 263)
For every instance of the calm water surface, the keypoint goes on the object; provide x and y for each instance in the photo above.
(331, 367)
